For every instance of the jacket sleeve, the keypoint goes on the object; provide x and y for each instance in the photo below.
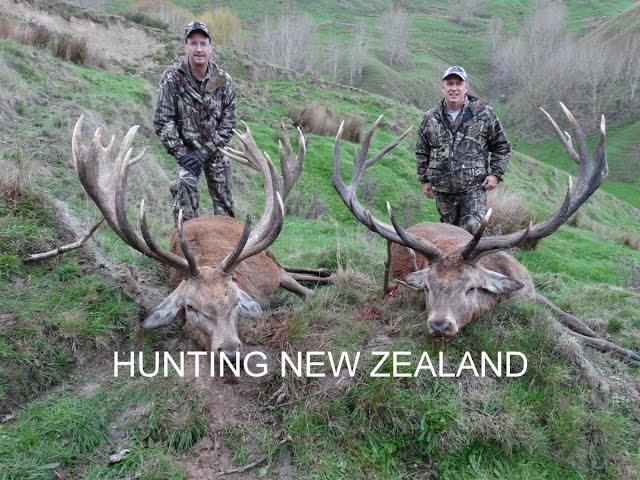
(422, 152)
(165, 118)
(224, 130)
(499, 147)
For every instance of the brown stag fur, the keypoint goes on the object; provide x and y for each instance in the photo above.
(211, 237)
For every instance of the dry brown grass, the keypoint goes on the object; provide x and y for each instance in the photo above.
(582, 220)
(322, 120)
(40, 36)
(164, 12)
(15, 178)
(510, 212)
(306, 205)
(225, 27)
(60, 46)
(78, 51)
(7, 30)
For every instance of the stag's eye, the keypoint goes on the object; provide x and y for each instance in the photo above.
(471, 291)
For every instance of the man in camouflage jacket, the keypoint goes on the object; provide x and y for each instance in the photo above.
(195, 116)
(462, 152)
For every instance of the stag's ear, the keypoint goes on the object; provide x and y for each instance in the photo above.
(166, 312)
(417, 279)
(498, 283)
(247, 305)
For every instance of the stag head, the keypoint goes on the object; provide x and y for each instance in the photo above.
(207, 294)
(457, 293)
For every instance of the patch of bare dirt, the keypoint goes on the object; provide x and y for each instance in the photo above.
(116, 39)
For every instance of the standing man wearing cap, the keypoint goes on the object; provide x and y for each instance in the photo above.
(462, 152)
(195, 117)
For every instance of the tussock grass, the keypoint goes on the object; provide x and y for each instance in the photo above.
(322, 120)
(582, 220)
(7, 29)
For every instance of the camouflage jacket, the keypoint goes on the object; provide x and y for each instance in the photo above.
(192, 114)
(456, 158)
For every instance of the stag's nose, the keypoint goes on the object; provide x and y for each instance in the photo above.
(441, 327)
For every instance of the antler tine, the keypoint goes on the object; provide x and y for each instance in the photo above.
(105, 181)
(466, 251)
(163, 256)
(362, 154)
(348, 195)
(291, 165)
(228, 263)
(414, 242)
(564, 137)
(386, 149)
(581, 140)
(186, 249)
(272, 218)
(593, 170)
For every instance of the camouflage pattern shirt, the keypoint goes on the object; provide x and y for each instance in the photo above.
(191, 114)
(456, 157)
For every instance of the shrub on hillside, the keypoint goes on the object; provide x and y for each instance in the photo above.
(7, 29)
(61, 46)
(322, 120)
(143, 19)
(510, 213)
(225, 27)
(582, 220)
(78, 51)
(163, 12)
(40, 36)
(306, 205)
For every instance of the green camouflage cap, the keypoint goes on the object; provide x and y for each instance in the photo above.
(199, 26)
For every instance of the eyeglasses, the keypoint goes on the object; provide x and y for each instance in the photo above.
(198, 44)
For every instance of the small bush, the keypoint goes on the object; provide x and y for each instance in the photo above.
(510, 213)
(61, 46)
(7, 29)
(306, 205)
(322, 120)
(225, 27)
(353, 127)
(40, 36)
(159, 14)
(78, 51)
(142, 19)
(582, 220)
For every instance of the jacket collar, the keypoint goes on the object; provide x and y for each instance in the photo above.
(213, 80)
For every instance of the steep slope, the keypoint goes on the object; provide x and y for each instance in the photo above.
(549, 423)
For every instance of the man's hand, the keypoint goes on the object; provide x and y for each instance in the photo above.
(426, 188)
(193, 161)
(490, 182)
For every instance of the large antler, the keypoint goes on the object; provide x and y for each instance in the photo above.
(290, 164)
(105, 178)
(272, 217)
(348, 193)
(593, 170)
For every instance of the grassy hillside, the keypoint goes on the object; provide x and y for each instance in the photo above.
(61, 320)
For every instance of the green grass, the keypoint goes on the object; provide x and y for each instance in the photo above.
(50, 309)
(548, 424)
(71, 432)
(623, 155)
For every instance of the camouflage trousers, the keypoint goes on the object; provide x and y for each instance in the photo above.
(184, 189)
(464, 209)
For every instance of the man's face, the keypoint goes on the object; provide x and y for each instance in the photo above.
(454, 90)
(198, 48)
